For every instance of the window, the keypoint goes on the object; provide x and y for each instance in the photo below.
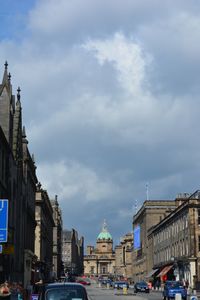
(198, 216)
(67, 293)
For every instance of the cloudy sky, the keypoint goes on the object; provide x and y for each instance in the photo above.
(110, 96)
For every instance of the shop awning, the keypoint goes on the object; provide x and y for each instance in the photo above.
(165, 270)
(151, 273)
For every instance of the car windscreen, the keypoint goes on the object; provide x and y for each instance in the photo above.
(176, 285)
(65, 294)
(142, 283)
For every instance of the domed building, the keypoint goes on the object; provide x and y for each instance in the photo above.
(100, 260)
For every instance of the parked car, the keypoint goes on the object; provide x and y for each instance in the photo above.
(63, 291)
(82, 281)
(141, 286)
(171, 288)
(106, 281)
(120, 284)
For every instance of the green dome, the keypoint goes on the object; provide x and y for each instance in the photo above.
(104, 236)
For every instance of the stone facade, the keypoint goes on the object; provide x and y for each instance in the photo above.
(44, 235)
(124, 257)
(100, 261)
(57, 239)
(176, 242)
(150, 214)
(30, 180)
(72, 252)
(8, 175)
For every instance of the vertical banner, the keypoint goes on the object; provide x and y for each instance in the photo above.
(3, 220)
(136, 236)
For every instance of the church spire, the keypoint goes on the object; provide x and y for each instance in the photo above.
(18, 93)
(18, 103)
(5, 75)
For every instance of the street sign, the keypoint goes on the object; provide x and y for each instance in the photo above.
(3, 220)
(1, 249)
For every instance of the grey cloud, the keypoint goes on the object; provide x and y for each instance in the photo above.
(96, 141)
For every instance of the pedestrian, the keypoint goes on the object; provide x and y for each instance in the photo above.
(20, 292)
(29, 289)
(5, 290)
(14, 291)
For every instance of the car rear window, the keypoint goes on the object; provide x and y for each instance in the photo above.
(176, 285)
(65, 294)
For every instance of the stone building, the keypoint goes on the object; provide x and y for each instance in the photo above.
(18, 187)
(7, 178)
(100, 260)
(44, 235)
(150, 214)
(124, 257)
(30, 180)
(57, 239)
(72, 252)
(176, 241)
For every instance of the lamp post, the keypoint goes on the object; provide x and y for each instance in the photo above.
(176, 268)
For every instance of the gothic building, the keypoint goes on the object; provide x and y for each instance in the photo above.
(100, 260)
(18, 185)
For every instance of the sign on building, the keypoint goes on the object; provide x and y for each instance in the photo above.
(3, 220)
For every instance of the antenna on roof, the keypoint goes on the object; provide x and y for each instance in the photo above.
(136, 206)
(147, 190)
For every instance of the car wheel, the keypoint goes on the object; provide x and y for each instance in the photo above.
(164, 298)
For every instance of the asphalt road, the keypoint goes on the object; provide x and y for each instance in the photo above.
(97, 293)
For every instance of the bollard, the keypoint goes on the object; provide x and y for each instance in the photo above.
(178, 297)
(124, 290)
(99, 284)
(108, 285)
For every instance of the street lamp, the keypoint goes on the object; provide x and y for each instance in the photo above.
(176, 268)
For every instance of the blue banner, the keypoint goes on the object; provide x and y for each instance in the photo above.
(3, 220)
(136, 236)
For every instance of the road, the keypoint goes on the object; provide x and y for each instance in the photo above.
(97, 293)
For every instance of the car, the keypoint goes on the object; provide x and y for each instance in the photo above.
(63, 291)
(120, 284)
(82, 281)
(106, 281)
(171, 288)
(141, 286)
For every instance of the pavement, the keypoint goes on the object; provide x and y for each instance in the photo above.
(153, 295)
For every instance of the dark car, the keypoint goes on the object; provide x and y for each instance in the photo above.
(106, 281)
(63, 291)
(141, 286)
(120, 284)
(172, 288)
